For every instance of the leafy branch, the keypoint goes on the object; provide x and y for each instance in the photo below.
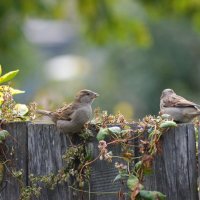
(9, 109)
(143, 137)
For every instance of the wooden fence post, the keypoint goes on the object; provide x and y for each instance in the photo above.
(175, 169)
(45, 149)
(39, 149)
(17, 142)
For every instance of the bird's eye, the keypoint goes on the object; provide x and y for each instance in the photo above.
(88, 94)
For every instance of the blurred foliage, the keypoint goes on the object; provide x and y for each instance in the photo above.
(115, 21)
(128, 20)
(179, 8)
(139, 76)
(104, 21)
(13, 13)
(144, 47)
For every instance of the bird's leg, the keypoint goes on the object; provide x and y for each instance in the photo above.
(70, 141)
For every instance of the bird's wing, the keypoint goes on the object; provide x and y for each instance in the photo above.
(178, 101)
(65, 112)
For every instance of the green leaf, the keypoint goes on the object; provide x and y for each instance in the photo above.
(122, 175)
(103, 132)
(126, 127)
(1, 98)
(8, 76)
(15, 91)
(115, 129)
(3, 135)
(152, 195)
(168, 124)
(0, 70)
(20, 109)
(132, 182)
(165, 116)
(12, 90)
(151, 134)
(138, 165)
(118, 177)
(125, 132)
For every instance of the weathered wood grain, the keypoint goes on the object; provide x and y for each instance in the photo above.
(39, 148)
(175, 169)
(45, 149)
(102, 176)
(17, 142)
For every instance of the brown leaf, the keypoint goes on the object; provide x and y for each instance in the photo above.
(147, 161)
(135, 192)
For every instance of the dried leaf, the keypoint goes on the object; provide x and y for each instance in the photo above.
(147, 162)
(2, 172)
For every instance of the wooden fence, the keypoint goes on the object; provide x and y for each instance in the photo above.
(39, 148)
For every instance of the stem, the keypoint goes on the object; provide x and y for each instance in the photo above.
(117, 141)
(123, 157)
(122, 140)
(88, 163)
(118, 157)
(128, 167)
(98, 193)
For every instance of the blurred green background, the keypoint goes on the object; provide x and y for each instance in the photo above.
(128, 51)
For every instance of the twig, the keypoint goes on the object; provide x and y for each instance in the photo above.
(88, 163)
(98, 193)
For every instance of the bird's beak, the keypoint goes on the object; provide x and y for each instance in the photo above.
(96, 95)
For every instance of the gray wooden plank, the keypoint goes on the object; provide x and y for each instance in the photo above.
(175, 169)
(45, 149)
(17, 141)
(103, 174)
(192, 161)
(39, 148)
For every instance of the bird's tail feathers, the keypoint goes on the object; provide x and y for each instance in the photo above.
(43, 112)
(194, 114)
(197, 107)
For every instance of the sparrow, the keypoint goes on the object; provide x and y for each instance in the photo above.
(70, 119)
(180, 109)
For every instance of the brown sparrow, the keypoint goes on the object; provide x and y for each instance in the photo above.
(70, 119)
(180, 109)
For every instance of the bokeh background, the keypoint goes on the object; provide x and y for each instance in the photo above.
(128, 51)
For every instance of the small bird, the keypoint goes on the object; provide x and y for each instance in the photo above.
(71, 118)
(180, 109)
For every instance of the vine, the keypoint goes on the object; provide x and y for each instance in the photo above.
(139, 142)
(11, 111)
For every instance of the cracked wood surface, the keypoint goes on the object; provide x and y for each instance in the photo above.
(175, 169)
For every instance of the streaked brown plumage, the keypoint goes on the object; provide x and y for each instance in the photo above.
(179, 108)
(70, 119)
